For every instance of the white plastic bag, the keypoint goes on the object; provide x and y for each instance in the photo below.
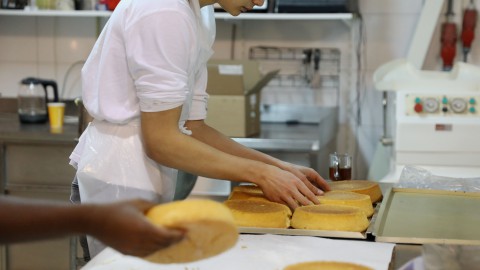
(114, 166)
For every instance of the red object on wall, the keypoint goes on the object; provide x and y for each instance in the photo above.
(468, 27)
(449, 47)
(112, 4)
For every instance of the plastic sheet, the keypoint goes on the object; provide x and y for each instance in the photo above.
(450, 257)
(445, 257)
(419, 178)
(114, 166)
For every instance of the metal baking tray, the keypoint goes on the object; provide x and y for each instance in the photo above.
(321, 233)
(332, 234)
(418, 216)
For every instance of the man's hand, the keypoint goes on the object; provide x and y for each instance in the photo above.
(309, 177)
(292, 185)
(124, 227)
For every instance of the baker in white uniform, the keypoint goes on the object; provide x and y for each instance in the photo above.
(145, 85)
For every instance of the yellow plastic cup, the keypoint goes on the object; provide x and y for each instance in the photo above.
(56, 111)
(46, 4)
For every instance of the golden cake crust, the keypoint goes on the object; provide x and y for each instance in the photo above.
(367, 187)
(348, 198)
(245, 192)
(330, 217)
(259, 213)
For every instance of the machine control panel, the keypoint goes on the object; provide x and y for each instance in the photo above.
(442, 105)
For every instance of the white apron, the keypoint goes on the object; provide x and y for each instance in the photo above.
(113, 165)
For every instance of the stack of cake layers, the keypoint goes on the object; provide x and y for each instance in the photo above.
(346, 207)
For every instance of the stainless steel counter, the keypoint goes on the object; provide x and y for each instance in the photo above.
(11, 130)
(26, 146)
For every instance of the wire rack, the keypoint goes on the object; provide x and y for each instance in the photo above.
(307, 77)
(315, 68)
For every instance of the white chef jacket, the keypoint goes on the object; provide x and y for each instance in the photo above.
(144, 59)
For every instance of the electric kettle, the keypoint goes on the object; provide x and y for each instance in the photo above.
(33, 98)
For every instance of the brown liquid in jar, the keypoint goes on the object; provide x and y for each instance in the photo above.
(343, 174)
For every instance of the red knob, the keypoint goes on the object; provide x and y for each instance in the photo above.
(418, 108)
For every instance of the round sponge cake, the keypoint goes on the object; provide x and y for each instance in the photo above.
(245, 192)
(330, 217)
(259, 213)
(209, 225)
(348, 198)
(367, 187)
(324, 265)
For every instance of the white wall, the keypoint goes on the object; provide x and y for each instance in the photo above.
(44, 47)
(47, 46)
(388, 29)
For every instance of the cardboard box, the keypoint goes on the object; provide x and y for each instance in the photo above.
(234, 105)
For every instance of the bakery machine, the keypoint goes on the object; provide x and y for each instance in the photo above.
(436, 118)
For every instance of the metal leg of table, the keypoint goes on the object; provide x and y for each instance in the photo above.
(3, 166)
(73, 253)
(3, 249)
(4, 258)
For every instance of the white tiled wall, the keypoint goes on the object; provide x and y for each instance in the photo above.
(44, 47)
(47, 46)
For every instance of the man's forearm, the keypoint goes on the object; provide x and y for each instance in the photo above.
(165, 144)
(26, 220)
(212, 137)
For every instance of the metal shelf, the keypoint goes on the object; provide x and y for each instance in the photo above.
(285, 16)
(56, 13)
(218, 15)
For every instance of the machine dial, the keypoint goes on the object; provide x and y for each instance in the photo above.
(459, 105)
(431, 105)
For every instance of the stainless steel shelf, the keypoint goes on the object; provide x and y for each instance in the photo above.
(55, 13)
(218, 15)
(285, 16)
(280, 145)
